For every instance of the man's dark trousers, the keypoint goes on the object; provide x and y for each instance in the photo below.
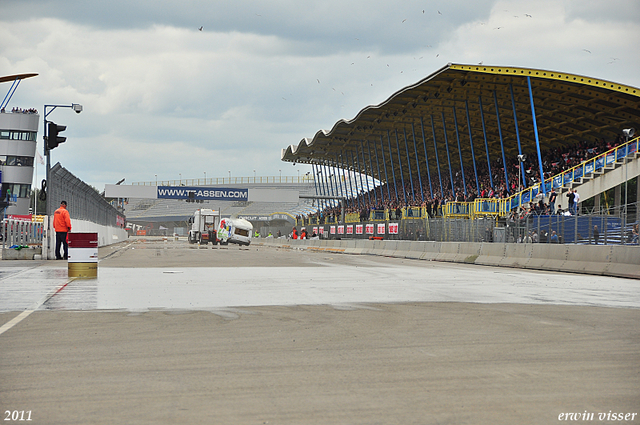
(61, 239)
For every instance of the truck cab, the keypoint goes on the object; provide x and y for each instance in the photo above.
(204, 226)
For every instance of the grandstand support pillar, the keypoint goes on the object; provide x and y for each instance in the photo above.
(535, 132)
(406, 148)
(316, 182)
(384, 165)
(375, 194)
(415, 151)
(464, 181)
(342, 191)
(596, 203)
(375, 148)
(435, 147)
(486, 143)
(353, 167)
(327, 179)
(617, 200)
(473, 156)
(515, 121)
(446, 145)
(426, 158)
(324, 173)
(395, 186)
(504, 160)
(348, 177)
(404, 192)
(360, 172)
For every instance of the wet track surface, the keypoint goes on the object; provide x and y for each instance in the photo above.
(254, 277)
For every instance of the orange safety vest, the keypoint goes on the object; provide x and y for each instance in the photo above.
(61, 220)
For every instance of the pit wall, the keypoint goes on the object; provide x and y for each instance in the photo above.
(608, 260)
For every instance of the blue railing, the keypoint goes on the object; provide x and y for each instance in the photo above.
(583, 169)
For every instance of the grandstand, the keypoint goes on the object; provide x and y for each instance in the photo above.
(469, 131)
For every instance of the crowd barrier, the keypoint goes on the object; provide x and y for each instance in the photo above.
(609, 260)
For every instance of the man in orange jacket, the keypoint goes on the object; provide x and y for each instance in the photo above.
(62, 226)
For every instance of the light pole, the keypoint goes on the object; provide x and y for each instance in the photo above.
(229, 176)
(156, 180)
(205, 177)
(254, 176)
(280, 175)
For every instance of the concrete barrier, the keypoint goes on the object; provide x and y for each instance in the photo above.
(402, 249)
(416, 250)
(517, 255)
(431, 250)
(491, 254)
(610, 260)
(389, 248)
(624, 261)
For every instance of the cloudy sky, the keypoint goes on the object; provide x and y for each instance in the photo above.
(163, 98)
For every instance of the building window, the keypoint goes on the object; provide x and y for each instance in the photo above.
(19, 135)
(16, 189)
(25, 161)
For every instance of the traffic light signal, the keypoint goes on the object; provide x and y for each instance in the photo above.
(53, 140)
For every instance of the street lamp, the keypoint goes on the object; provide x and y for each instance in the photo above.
(229, 176)
(156, 180)
(205, 177)
(280, 176)
(47, 110)
(47, 152)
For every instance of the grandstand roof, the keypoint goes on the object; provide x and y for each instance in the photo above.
(568, 108)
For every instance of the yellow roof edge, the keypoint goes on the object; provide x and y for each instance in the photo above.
(550, 75)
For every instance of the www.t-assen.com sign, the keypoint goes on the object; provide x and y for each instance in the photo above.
(212, 194)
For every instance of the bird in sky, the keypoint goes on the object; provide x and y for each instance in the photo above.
(588, 51)
(528, 16)
(200, 29)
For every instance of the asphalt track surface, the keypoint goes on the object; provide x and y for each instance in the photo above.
(173, 334)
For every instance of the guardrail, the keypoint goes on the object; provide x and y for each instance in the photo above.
(582, 170)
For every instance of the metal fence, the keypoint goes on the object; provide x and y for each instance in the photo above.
(16, 233)
(602, 229)
(83, 201)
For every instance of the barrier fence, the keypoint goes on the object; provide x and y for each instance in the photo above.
(16, 233)
(585, 229)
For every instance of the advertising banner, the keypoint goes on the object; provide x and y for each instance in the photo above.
(333, 230)
(350, 229)
(381, 228)
(393, 228)
(341, 230)
(203, 193)
(369, 229)
(359, 228)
